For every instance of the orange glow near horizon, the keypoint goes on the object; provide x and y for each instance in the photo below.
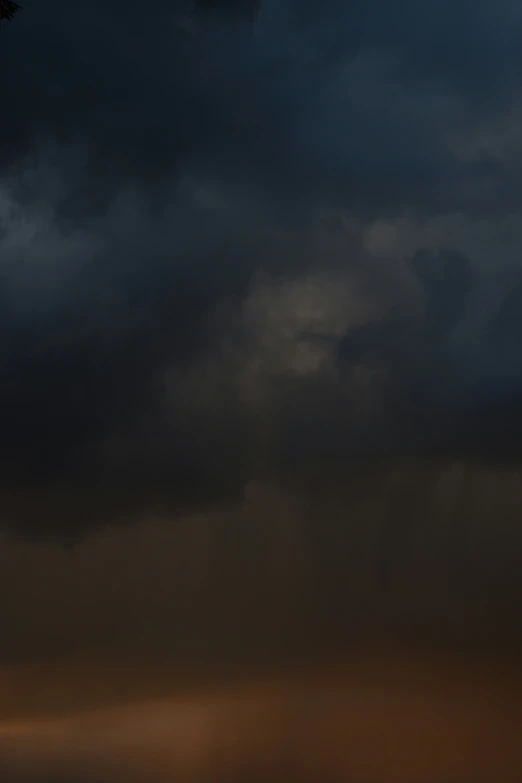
(397, 724)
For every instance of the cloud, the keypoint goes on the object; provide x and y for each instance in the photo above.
(228, 251)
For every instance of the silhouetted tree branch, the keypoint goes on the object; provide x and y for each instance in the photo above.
(8, 9)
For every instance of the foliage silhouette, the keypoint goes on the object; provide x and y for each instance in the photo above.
(8, 9)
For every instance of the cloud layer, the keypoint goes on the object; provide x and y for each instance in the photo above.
(260, 296)
(183, 195)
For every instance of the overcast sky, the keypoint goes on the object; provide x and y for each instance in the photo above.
(260, 318)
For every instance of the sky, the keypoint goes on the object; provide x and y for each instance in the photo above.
(261, 386)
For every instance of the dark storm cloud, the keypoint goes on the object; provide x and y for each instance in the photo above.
(153, 164)
(415, 359)
(259, 101)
